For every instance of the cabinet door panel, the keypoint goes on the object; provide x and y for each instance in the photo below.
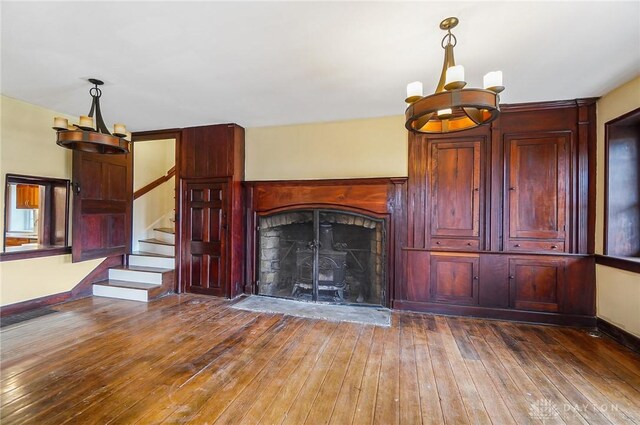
(454, 279)
(537, 187)
(206, 152)
(455, 188)
(417, 288)
(536, 284)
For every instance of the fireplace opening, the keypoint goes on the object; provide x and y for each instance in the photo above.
(322, 255)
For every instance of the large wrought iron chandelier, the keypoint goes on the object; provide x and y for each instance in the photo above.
(452, 107)
(89, 137)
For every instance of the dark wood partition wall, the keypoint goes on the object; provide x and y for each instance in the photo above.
(211, 237)
(500, 219)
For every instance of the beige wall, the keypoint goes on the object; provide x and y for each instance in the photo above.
(375, 147)
(27, 146)
(618, 291)
(152, 159)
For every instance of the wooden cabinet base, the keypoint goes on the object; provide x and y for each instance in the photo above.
(497, 313)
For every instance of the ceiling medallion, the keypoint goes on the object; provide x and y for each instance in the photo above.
(88, 137)
(452, 107)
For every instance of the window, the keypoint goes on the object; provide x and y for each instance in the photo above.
(622, 186)
(36, 213)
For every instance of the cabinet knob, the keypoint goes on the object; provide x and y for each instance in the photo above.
(554, 246)
(438, 243)
(512, 277)
(475, 278)
(469, 243)
(512, 188)
(517, 245)
(476, 189)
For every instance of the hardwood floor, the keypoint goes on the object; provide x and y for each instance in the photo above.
(193, 359)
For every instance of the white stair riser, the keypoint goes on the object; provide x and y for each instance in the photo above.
(165, 237)
(121, 293)
(157, 248)
(148, 261)
(135, 276)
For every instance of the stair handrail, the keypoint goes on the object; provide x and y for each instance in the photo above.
(157, 182)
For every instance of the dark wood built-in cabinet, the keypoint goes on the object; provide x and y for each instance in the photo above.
(211, 232)
(498, 217)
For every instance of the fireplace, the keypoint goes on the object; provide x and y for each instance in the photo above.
(329, 256)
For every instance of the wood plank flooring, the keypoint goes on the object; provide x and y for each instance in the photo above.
(193, 359)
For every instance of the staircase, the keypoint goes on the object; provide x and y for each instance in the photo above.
(149, 273)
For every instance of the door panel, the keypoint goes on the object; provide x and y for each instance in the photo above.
(102, 203)
(454, 279)
(537, 187)
(536, 284)
(203, 239)
(455, 189)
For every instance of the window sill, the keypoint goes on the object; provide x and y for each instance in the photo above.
(631, 264)
(34, 253)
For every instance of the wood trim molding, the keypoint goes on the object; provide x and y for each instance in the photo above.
(619, 335)
(157, 182)
(81, 290)
(35, 253)
(554, 104)
(618, 263)
(143, 136)
(497, 313)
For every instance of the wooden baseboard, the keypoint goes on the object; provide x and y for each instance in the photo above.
(498, 313)
(81, 290)
(619, 335)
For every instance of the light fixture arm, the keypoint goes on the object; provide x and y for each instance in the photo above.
(95, 93)
(449, 61)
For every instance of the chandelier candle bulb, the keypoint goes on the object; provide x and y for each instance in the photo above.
(445, 113)
(60, 123)
(455, 73)
(414, 91)
(119, 129)
(493, 81)
(86, 121)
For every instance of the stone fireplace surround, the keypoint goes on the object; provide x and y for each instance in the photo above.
(378, 198)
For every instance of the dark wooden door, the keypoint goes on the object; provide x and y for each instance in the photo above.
(203, 237)
(536, 284)
(455, 194)
(102, 204)
(537, 193)
(454, 279)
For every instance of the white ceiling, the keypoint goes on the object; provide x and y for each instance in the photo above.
(177, 64)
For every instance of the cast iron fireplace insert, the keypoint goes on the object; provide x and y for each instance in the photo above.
(319, 255)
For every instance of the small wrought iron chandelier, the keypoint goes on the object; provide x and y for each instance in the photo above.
(452, 107)
(88, 137)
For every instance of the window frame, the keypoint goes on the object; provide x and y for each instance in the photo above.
(629, 263)
(49, 183)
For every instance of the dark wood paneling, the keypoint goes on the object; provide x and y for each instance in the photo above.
(102, 205)
(454, 196)
(206, 155)
(537, 191)
(363, 194)
(494, 284)
(536, 284)
(417, 265)
(454, 279)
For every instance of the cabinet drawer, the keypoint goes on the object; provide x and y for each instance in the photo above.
(462, 244)
(536, 246)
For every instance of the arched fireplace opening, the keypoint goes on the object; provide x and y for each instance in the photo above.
(322, 255)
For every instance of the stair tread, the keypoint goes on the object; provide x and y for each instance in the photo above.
(156, 241)
(151, 254)
(165, 230)
(127, 284)
(143, 269)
